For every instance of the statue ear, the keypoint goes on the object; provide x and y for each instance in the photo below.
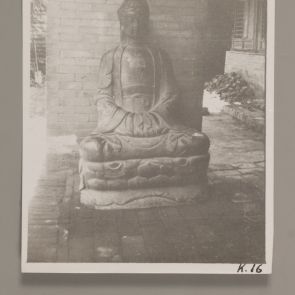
(105, 70)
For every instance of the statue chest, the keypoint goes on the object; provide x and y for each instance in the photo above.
(137, 79)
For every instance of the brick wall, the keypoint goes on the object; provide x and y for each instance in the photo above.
(252, 68)
(80, 31)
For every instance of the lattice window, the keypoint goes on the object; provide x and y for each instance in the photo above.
(262, 24)
(249, 28)
(239, 20)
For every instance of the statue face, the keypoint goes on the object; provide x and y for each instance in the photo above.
(134, 27)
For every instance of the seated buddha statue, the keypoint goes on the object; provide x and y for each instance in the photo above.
(139, 141)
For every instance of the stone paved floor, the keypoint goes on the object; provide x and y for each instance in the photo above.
(226, 227)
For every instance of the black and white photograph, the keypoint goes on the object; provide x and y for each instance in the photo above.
(148, 136)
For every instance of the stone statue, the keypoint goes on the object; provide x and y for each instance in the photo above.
(139, 143)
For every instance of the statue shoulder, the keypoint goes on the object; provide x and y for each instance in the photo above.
(109, 54)
(106, 62)
(106, 68)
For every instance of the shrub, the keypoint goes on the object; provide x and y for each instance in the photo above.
(231, 88)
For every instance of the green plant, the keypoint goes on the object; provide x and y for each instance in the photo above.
(231, 88)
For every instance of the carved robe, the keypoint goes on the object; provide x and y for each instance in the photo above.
(137, 109)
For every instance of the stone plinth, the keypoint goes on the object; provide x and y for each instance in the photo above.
(143, 198)
(144, 183)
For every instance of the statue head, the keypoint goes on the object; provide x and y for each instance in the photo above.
(134, 19)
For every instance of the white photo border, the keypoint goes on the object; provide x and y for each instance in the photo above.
(158, 268)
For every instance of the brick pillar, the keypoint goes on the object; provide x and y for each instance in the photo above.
(80, 31)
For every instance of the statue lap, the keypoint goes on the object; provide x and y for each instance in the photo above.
(110, 147)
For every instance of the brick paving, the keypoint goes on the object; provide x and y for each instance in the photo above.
(228, 226)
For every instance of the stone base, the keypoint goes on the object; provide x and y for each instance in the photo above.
(143, 173)
(143, 198)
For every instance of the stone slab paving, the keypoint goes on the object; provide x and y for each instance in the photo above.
(228, 226)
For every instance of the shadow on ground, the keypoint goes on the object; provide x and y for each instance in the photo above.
(226, 227)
